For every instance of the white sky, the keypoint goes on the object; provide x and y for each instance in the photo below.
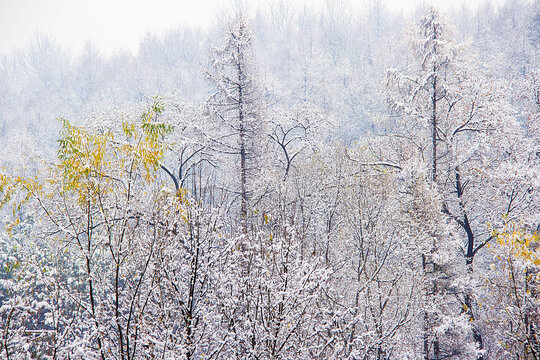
(120, 24)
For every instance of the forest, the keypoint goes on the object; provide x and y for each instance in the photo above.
(287, 184)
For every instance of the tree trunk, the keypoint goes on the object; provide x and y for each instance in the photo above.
(242, 134)
(434, 127)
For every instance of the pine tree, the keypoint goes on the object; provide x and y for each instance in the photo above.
(236, 105)
(419, 97)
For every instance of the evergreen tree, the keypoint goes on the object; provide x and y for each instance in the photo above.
(236, 106)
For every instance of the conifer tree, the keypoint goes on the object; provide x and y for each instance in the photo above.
(236, 105)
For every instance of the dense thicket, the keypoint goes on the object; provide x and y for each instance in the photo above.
(291, 185)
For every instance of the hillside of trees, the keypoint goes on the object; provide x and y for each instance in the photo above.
(289, 184)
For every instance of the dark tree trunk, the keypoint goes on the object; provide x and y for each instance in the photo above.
(242, 134)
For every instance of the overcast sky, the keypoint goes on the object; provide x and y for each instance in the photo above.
(120, 24)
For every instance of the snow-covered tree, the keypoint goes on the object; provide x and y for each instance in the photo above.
(236, 107)
(472, 140)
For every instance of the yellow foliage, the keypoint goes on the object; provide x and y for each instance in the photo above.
(11, 185)
(90, 162)
(518, 243)
(94, 164)
(10, 226)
